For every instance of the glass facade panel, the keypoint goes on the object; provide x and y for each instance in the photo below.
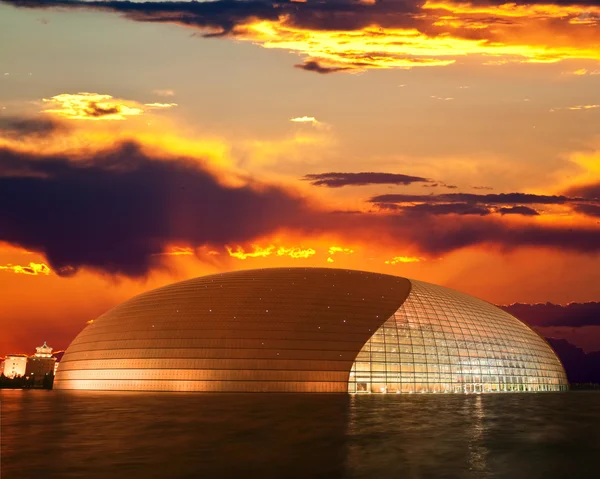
(444, 341)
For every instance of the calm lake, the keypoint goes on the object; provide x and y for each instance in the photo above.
(60, 434)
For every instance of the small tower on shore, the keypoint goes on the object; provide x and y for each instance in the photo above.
(41, 363)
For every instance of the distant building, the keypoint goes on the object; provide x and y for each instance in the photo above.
(41, 363)
(15, 365)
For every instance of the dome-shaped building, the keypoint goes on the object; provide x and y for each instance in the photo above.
(309, 330)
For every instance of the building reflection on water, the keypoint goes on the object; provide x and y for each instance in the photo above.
(123, 435)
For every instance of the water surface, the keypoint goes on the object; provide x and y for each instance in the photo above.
(62, 434)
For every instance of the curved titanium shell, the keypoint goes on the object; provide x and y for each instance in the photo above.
(296, 329)
(308, 330)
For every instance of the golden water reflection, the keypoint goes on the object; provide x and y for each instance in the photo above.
(60, 434)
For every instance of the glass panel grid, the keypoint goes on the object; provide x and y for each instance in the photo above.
(443, 341)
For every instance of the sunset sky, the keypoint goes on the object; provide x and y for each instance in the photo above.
(143, 143)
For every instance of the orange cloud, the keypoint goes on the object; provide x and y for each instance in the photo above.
(513, 10)
(164, 135)
(91, 106)
(260, 252)
(583, 107)
(178, 251)
(362, 35)
(295, 252)
(438, 36)
(583, 72)
(404, 259)
(33, 269)
(160, 105)
(582, 168)
(576, 108)
(368, 48)
(338, 249)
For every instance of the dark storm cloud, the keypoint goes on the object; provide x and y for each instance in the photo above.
(439, 237)
(439, 209)
(225, 15)
(573, 315)
(590, 191)
(222, 17)
(437, 234)
(115, 210)
(489, 199)
(503, 203)
(313, 66)
(233, 18)
(388, 206)
(317, 15)
(588, 210)
(443, 185)
(23, 127)
(337, 180)
(518, 210)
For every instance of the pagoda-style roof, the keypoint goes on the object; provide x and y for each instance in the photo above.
(44, 350)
